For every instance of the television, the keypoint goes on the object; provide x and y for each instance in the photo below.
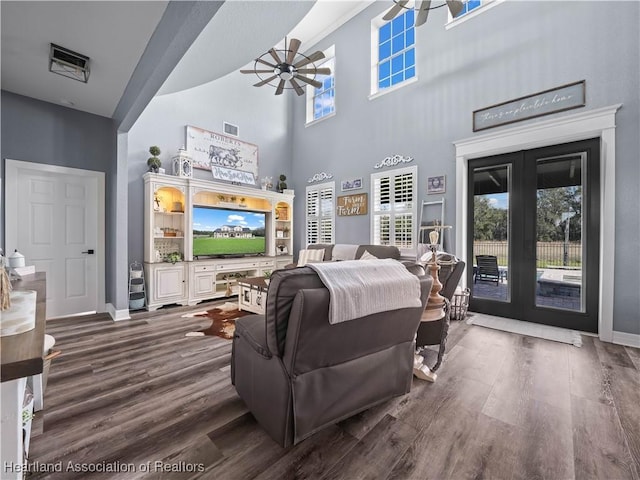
(225, 232)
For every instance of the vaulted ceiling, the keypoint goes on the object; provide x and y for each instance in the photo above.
(119, 36)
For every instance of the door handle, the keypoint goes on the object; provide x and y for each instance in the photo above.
(90, 251)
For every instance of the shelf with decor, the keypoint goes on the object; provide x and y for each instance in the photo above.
(201, 235)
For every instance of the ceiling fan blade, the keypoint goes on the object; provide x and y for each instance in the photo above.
(275, 55)
(280, 88)
(423, 12)
(314, 57)
(455, 7)
(318, 71)
(264, 82)
(256, 71)
(391, 14)
(294, 45)
(315, 83)
(264, 62)
(299, 90)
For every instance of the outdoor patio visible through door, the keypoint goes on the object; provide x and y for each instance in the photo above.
(533, 218)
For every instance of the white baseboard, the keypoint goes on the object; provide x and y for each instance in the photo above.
(117, 315)
(627, 339)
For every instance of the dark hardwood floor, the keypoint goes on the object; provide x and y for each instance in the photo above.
(139, 393)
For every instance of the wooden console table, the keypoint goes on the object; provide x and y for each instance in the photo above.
(21, 358)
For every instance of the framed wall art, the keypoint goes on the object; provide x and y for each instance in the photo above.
(436, 185)
(227, 157)
(350, 205)
(353, 184)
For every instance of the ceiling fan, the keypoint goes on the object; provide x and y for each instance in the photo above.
(455, 7)
(287, 65)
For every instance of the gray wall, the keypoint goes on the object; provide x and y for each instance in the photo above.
(41, 132)
(514, 49)
(262, 117)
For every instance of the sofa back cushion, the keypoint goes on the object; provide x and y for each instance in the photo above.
(379, 251)
(312, 342)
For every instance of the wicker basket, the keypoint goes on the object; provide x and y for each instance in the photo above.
(460, 303)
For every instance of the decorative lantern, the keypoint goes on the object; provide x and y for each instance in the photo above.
(182, 164)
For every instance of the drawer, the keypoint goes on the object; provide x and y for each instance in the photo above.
(204, 268)
(236, 267)
(268, 263)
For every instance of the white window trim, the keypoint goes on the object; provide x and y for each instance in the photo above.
(374, 90)
(318, 187)
(453, 22)
(329, 53)
(414, 208)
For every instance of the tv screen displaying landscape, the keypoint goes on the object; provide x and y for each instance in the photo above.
(224, 232)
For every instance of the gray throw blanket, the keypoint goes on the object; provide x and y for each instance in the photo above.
(359, 288)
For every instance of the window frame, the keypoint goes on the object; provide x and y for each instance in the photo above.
(485, 6)
(395, 210)
(330, 55)
(374, 88)
(331, 215)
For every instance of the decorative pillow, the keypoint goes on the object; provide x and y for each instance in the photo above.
(310, 256)
(368, 256)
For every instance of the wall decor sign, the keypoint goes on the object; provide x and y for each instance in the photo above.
(318, 177)
(350, 205)
(228, 158)
(436, 184)
(353, 184)
(393, 160)
(549, 101)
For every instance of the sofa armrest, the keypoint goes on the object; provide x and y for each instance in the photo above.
(252, 329)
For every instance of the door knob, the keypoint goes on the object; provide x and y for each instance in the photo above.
(90, 251)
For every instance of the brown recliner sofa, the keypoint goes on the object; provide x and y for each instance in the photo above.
(298, 374)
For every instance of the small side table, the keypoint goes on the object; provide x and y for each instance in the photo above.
(252, 294)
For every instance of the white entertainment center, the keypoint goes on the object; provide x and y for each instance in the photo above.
(168, 229)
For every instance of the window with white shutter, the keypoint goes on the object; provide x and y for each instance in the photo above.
(320, 213)
(394, 208)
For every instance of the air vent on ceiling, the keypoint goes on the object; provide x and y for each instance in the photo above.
(231, 129)
(68, 63)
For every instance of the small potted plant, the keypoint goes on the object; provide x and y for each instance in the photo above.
(173, 257)
(154, 162)
(267, 276)
(282, 184)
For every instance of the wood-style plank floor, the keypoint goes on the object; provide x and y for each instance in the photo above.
(138, 395)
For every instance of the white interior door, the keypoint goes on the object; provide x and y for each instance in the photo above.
(55, 218)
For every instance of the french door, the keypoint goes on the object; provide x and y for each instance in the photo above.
(534, 235)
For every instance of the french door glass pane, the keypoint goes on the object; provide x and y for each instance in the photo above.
(491, 187)
(559, 232)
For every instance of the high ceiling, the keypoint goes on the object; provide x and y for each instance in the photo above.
(115, 34)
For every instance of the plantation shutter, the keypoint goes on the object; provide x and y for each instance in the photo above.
(394, 208)
(320, 213)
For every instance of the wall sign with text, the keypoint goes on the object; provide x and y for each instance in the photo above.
(228, 158)
(549, 101)
(350, 205)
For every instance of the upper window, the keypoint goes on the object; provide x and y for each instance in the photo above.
(470, 9)
(320, 213)
(393, 51)
(470, 5)
(394, 208)
(321, 102)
